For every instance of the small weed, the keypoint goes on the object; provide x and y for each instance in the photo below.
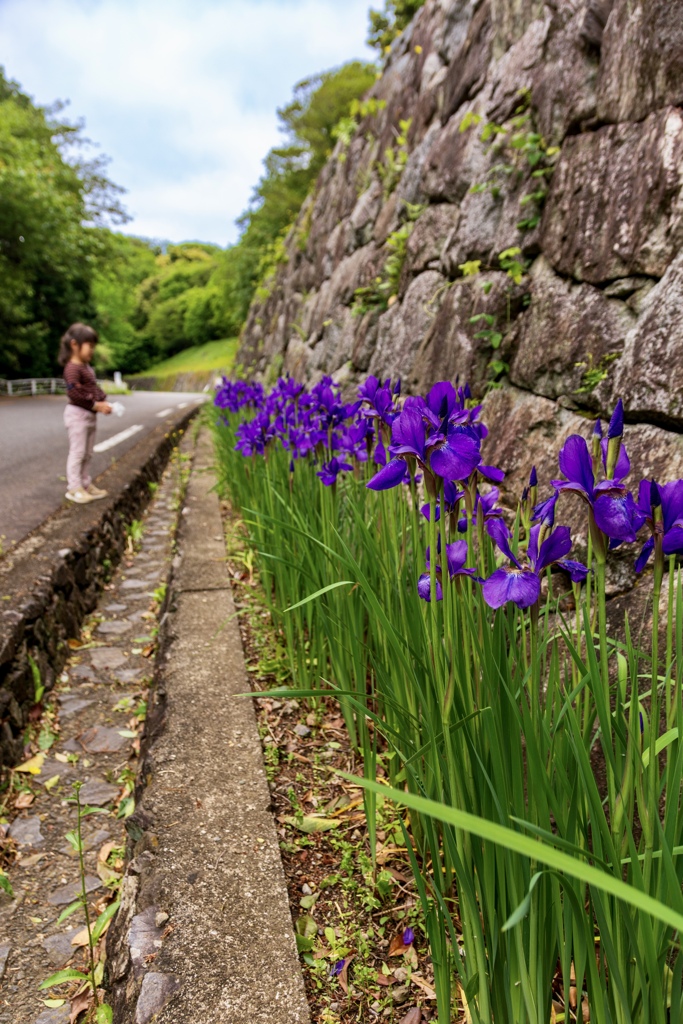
(523, 150)
(134, 535)
(594, 374)
(101, 1012)
(395, 159)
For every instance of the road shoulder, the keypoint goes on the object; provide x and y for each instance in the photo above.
(204, 846)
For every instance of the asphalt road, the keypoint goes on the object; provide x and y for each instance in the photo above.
(33, 450)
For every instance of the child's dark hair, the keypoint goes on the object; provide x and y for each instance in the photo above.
(80, 333)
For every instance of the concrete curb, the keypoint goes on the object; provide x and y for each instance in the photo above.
(204, 896)
(50, 581)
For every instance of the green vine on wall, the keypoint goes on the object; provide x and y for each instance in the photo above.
(514, 265)
(346, 127)
(395, 159)
(382, 291)
(519, 147)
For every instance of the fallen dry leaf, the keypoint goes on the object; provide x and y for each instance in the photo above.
(80, 938)
(398, 946)
(385, 853)
(106, 873)
(105, 850)
(33, 766)
(24, 800)
(148, 651)
(424, 985)
(386, 980)
(31, 860)
(397, 875)
(347, 807)
(343, 976)
(79, 1004)
(413, 1016)
(465, 1004)
(74, 644)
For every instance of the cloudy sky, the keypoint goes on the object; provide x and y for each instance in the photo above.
(181, 94)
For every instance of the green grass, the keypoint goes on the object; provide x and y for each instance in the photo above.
(214, 355)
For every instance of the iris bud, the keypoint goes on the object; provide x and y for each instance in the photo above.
(616, 424)
(533, 486)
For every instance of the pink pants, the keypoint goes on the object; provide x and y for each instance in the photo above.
(80, 426)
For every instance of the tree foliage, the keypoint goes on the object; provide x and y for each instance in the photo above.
(47, 199)
(307, 122)
(60, 260)
(387, 25)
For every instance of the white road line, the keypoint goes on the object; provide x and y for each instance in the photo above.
(164, 412)
(111, 442)
(183, 405)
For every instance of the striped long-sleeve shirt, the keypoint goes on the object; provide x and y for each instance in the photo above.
(81, 385)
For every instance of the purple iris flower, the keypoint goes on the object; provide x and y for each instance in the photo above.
(379, 397)
(441, 402)
(337, 968)
(456, 556)
(544, 512)
(368, 389)
(238, 394)
(613, 506)
(380, 456)
(253, 436)
(485, 505)
(408, 438)
(670, 498)
(331, 470)
(408, 937)
(454, 455)
(616, 424)
(451, 497)
(519, 583)
(354, 439)
(458, 457)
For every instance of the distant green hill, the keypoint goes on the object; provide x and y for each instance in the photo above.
(214, 355)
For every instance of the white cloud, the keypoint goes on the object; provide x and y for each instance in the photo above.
(181, 94)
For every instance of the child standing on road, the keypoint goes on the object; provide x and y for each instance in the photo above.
(85, 399)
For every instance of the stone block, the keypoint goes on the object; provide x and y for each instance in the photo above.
(467, 69)
(431, 232)
(615, 206)
(402, 328)
(568, 337)
(641, 65)
(450, 348)
(649, 376)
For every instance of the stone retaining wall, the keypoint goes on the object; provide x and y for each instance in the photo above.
(598, 312)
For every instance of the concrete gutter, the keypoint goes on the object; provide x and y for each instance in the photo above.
(50, 581)
(204, 931)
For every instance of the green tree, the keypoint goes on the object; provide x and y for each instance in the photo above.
(123, 263)
(180, 304)
(387, 25)
(47, 252)
(308, 123)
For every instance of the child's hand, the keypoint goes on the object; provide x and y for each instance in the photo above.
(102, 407)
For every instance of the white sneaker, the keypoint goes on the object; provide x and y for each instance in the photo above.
(96, 492)
(80, 496)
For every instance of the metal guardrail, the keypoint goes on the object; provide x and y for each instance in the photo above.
(33, 386)
(50, 385)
